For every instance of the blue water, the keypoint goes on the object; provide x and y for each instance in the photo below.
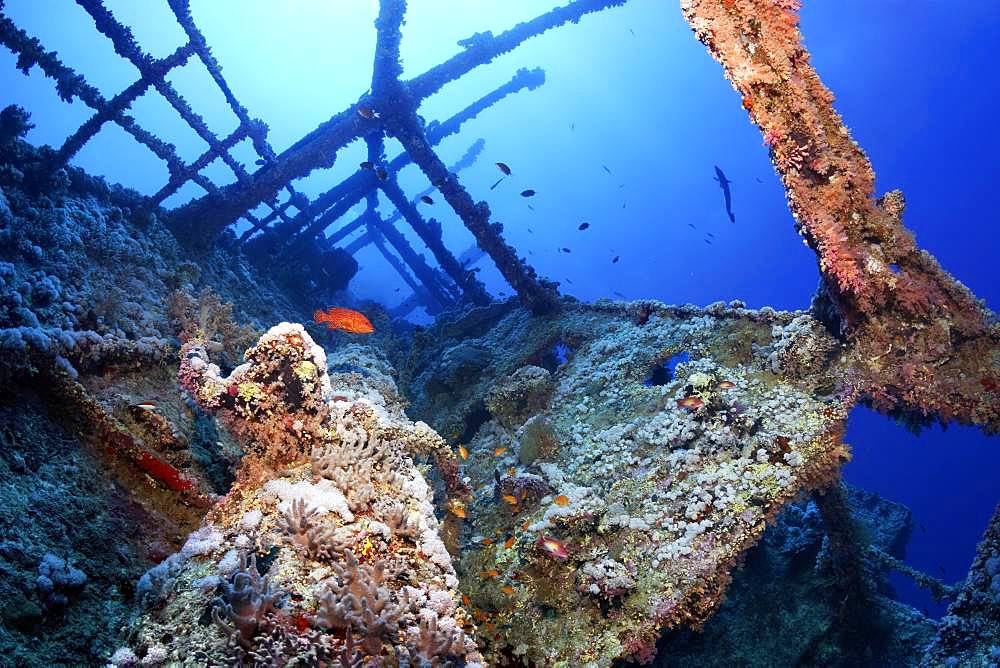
(630, 90)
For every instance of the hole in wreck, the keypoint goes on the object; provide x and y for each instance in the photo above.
(552, 356)
(663, 372)
(477, 416)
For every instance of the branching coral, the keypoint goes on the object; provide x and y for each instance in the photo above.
(356, 598)
(247, 598)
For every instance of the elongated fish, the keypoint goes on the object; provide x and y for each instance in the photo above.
(724, 184)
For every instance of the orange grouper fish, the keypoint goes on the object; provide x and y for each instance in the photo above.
(344, 319)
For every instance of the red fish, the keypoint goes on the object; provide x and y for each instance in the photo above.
(344, 319)
(693, 403)
(554, 548)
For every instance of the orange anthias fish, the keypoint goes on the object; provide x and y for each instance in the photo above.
(344, 319)
(562, 500)
(553, 547)
(726, 385)
(499, 452)
(509, 543)
(507, 589)
(463, 452)
(511, 499)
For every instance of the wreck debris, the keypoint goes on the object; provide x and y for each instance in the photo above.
(923, 345)
(659, 502)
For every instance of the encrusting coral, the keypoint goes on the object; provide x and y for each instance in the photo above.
(636, 498)
(327, 545)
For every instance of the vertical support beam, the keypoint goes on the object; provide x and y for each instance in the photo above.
(473, 289)
(539, 296)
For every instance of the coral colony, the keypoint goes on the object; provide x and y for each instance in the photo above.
(586, 478)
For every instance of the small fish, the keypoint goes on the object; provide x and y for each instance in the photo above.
(492, 573)
(923, 529)
(524, 525)
(531, 207)
(623, 205)
(572, 126)
(941, 568)
(344, 319)
(553, 547)
(707, 241)
(509, 499)
(512, 471)
(615, 260)
(561, 500)
(690, 402)
(605, 167)
(260, 162)
(499, 452)
(632, 31)
(466, 601)
(710, 234)
(507, 589)
(530, 231)
(569, 281)
(458, 511)
(509, 543)
(691, 225)
(367, 164)
(146, 405)
(366, 112)
(726, 385)
(583, 226)
(426, 199)
(618, 294)
(497, 183)
(758, 179)
(528, 193)
(396, 290)
(503, 168)
(487, 541)
(565, 250)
